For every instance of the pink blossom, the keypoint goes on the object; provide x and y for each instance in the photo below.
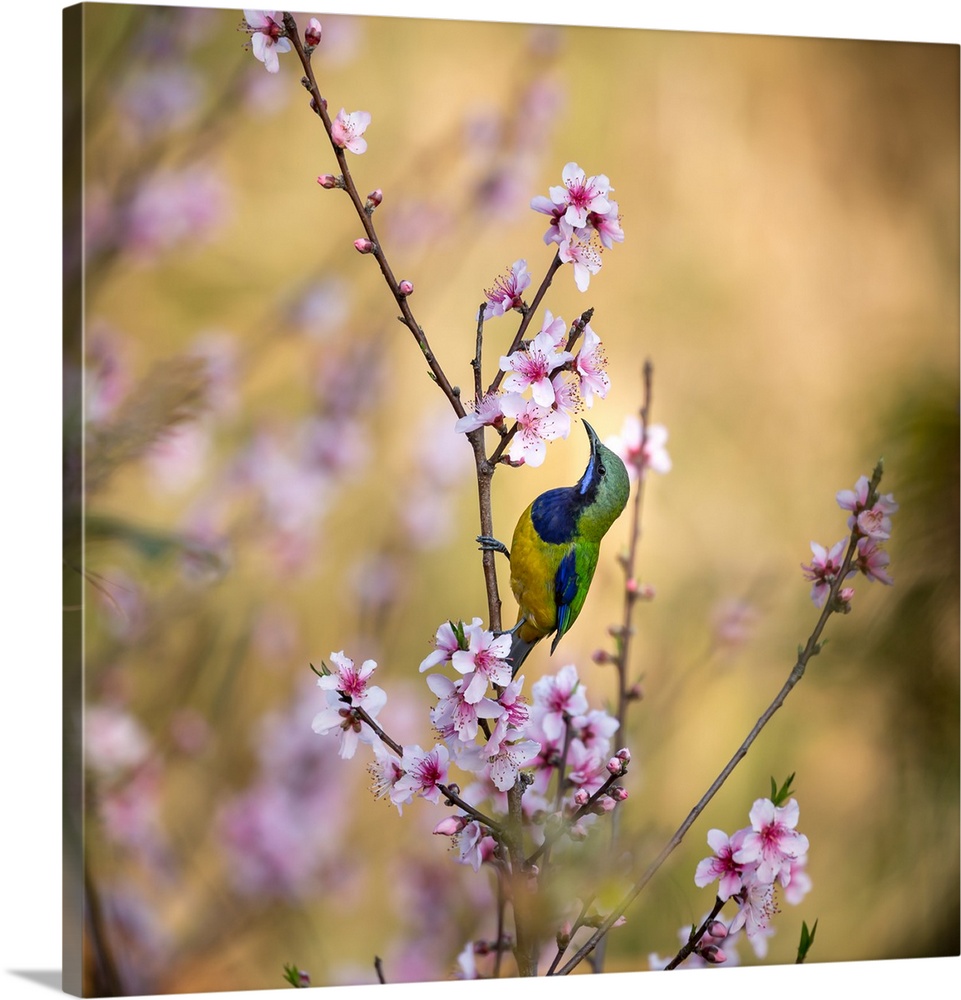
(348, 680)
(424, 772)
(823, 569)
(638, 459)
(556, 212)
(510, 757)
(721, 865)
(347, 130)
(872, 561)
(581, 195)
(595, 730)
(567, 402)
(487, 412)
(757, 908)
(446, 643)
(455, 716)
(608, 226)
(556, 699)
(385, 771)
(484, 660)
(474, 845)
(585, 257)
(555, 329)
(535, 425)
(266, 37)
(772, 844)
(347, 690)
(533, 367)
(587, 766)
(592, 378)
(507, 291)
(874, 523)
(351, 730)
(515, 713)
(856, 500)
(800, 883)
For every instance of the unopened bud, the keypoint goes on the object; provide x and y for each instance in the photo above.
(717, 929)
(711, 953)
(363, 245)
(303, 977)
(581, 797)
(450, 826)
(635, 692)
(601, 656)
(578, 832)
(328, 181)
(615, 765)
(564, 935)
(618, 793)
(312, 33)
(375, 198)
(405, 287)
(624, 754)
(647, 592)
(605, 804)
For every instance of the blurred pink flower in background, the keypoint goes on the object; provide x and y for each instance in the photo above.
(172, 208)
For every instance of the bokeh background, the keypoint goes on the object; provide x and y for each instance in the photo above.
(270, 474)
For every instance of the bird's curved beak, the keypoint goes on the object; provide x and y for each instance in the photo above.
(592, 436)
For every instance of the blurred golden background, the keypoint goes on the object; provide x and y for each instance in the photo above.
(271, 475)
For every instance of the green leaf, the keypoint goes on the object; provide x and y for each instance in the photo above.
(807, 939)
(296, 977)
(780, 795)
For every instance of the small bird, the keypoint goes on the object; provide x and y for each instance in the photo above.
(555, 547)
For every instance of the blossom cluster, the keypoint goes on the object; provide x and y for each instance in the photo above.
(869, 522)
(489, 730)
(583, 220)
(560, 382)
(748, 866)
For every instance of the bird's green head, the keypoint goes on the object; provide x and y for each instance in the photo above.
(605, 488)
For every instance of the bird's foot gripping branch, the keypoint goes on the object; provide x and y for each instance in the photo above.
(543, 771)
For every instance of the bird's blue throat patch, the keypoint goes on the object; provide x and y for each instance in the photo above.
(555, 514)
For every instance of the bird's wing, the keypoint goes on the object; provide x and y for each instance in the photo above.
(571, 581)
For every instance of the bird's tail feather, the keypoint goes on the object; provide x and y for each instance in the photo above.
(519, 650)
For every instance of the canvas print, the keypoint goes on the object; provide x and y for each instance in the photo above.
(510, 500)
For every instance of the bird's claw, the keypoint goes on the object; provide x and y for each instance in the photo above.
(488, 544)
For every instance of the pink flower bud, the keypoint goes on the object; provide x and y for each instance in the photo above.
(375, 197)
(312, 33)
(624, 754)
(618, 793)
(578, 832)
(711, 953)
(614, 765)
(405, 287)
(581, 797)
(601, 656)
(647, 592)
(327, 181)
(717, 929)
(363, 245)
(632, 586)
(449, 826)
(606, 803)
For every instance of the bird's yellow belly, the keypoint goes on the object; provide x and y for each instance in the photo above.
(533, 566)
